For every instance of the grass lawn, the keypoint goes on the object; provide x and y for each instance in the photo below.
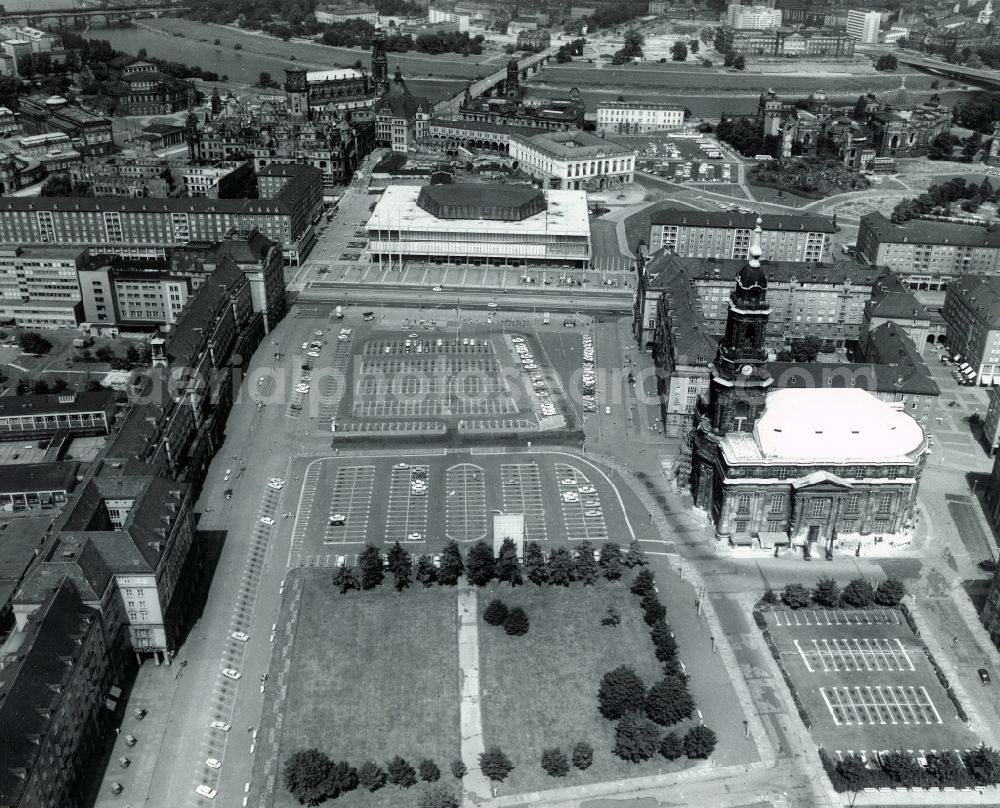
(540, 690)
(375, 674)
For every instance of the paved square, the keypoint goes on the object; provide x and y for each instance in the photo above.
(865, 681)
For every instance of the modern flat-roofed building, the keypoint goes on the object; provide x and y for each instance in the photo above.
(480, 225)
(574, 159)
(37, 486)
(343, 13)
(863, 25)
(39, 286)
(928, 254)
(719, 234)
(972, 311)
(42, 416)
(291, 200)
(54, 682)
(753, 18)
(636, 118)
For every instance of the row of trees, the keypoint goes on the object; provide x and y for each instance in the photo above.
(859, 593)
(568, 50)
(978, 112)
(514, 621)
(680, 49)
(975, 767)
(747, 136)
(33, 343)
(480, 566)
(940, 199)
(135, 356)
(313, 778)
(556, 763)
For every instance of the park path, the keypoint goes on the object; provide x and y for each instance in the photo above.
(474, 784)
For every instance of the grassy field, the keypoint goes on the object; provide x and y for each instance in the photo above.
(375, 675)
(540, 690)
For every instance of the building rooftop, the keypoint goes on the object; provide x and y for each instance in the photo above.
(484, 126)
(318, 76)
(32, 684)
(826, 426)
(925, 231)
(725, 270)
(693, 343)
(22, 540)
(893, 300)
(561, 212)
(978, 292)
(60, 476)
(576, 144)
(747, 221)
(40, 404)
(875, 378)
(638, 105)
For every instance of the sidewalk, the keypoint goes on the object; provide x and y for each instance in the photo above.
(475, 786)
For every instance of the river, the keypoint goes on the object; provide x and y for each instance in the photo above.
(437, 77)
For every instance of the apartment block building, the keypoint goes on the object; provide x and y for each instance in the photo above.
(144, 228)
(55, 674)
(892, 301)
(39, 287)
(863, 25)
(928, 254)
(697, 234)
(972, 313)
(753, 18)
(632, 118)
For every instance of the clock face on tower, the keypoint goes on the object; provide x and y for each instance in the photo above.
(746, 370)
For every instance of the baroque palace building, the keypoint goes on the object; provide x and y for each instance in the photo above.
(810, 468)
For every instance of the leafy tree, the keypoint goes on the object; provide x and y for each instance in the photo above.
(943, 146)
(495, 612)
(635, 557)
(611, 617)
(306, 774)
(801, 350)
(611, 561)
(585, 566)
(901, 766)
(371, 776)
(452, 566)
(560, 567)
(438, 797)
(694, 46)
(770, 596)
(104, 354)
(33, 343)
(583, 755)
(508, 567)
(132, 355)
(621, 691)
(890, 592)
(669, 701)
(459, 769)
(516, 623)
(371, 566)
(795, 596)
(636, 738)
(40, 387)
(946, 769)
(679, 51)
(22, 388)
(480, 565)
(343, 778)
(346, 579)
(427, 573)
(886, 62)
(632, 43)
(740, 62)
(429, 771)
(854, 772)
(555, 762)
(983, 763)
(534, 564)
(401, 773)
(826, 592)
(858, 593)
(699, 742)
(671, 747)
(653, 610)
(495, 765)
(971, 147)
(663, 641)
(400, 565)
(644, 583)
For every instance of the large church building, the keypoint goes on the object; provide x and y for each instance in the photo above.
(819, 469)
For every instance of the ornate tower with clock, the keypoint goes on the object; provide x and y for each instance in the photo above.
(740, 378)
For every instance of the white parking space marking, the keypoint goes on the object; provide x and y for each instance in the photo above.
(522, 493)
(579, 526)
(407, 511)
(890, 704)
(307, 498)
(465, 503)
(352, 497)
(860, 654)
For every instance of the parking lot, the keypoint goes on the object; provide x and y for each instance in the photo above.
(685, 159)
(426, 500)
(865, 681)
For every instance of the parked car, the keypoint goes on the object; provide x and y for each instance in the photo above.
(984, 676)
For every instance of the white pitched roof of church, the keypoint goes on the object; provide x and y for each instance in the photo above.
(834, 426)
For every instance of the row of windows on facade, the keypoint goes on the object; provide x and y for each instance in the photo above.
(847, 472)
(846, 526)
(817, 507)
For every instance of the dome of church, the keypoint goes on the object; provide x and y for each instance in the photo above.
(900, 98)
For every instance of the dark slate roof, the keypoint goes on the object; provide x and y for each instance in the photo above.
(251, 249)
(692, 339)
(503, 203)
(981, 293)
(726, 269)
(484, 126)
(925, 231)
(39, 477)
(33, 684)
(871, 377)
(725, 219)
(191, 331)
(892, 299)
(402, 106)
(22, 540)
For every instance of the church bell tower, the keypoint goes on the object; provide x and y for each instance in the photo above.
(380, 64)
(740, 378)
